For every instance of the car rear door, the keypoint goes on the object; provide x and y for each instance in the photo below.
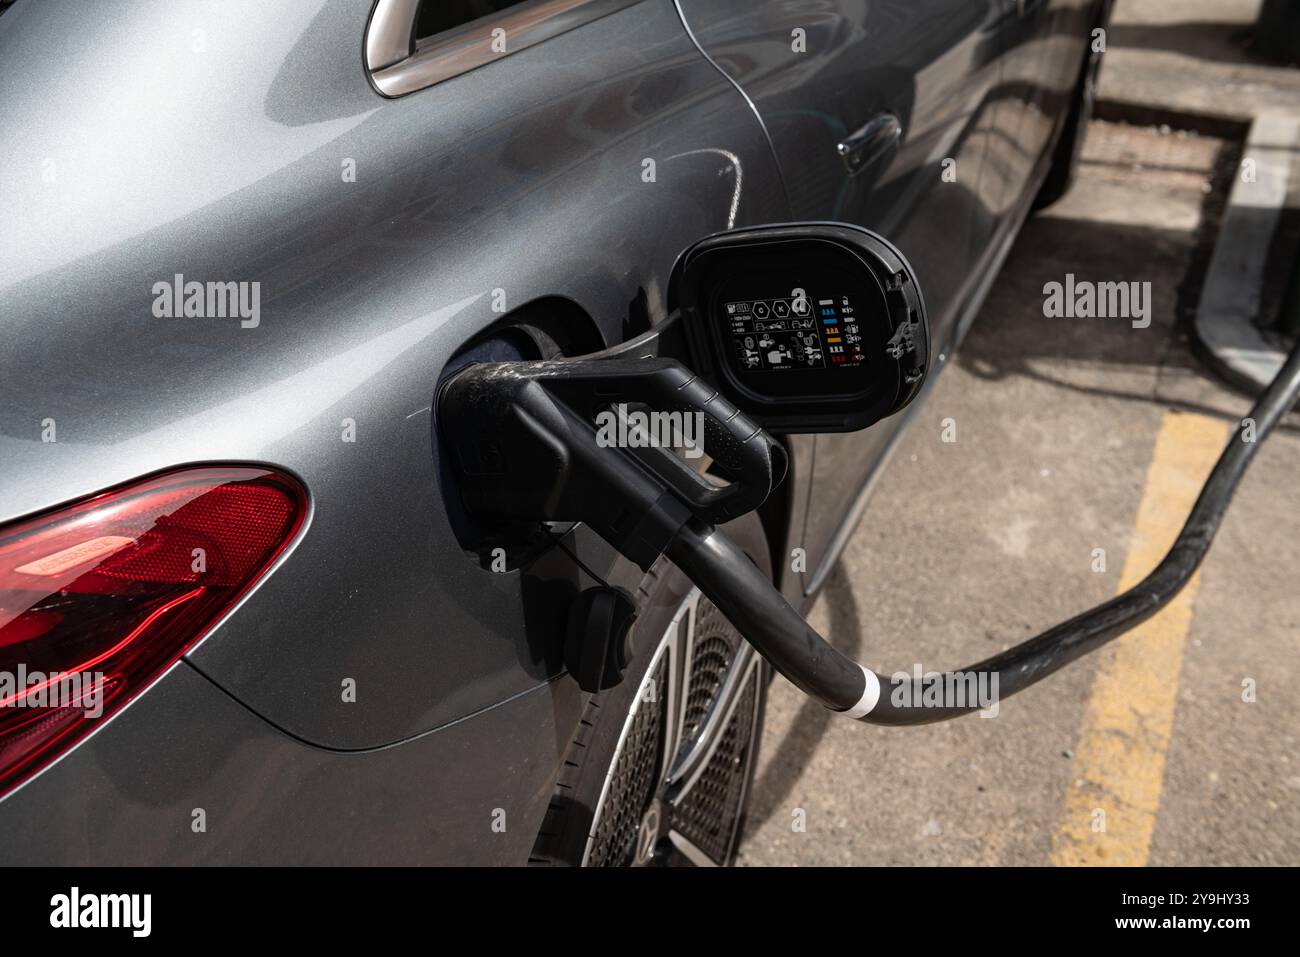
(1045, 48)
(879, 113)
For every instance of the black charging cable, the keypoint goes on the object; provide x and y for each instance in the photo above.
(794, 648)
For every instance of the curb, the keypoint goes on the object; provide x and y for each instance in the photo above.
(1230, 301)
(1146, 114)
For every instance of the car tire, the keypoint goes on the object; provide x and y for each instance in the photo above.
(659, 770)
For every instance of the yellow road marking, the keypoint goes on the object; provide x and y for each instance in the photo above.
(1119, 763)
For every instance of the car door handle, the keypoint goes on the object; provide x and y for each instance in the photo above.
(862, 148)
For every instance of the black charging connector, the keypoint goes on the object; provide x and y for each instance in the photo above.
(526, 445)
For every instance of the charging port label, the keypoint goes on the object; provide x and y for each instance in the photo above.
(795, 332)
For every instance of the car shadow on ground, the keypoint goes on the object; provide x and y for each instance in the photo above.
(1222, 42)
(772, 788)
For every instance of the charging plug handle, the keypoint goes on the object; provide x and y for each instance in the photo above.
(527, 446)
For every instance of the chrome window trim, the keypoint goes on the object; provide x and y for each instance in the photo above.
(398, 65)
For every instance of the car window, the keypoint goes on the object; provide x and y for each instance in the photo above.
(438, 15)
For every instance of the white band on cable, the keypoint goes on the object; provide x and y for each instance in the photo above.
(870, 695)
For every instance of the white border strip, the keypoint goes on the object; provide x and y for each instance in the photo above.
(870, 696)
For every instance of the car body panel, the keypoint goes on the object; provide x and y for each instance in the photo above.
(499, 184)
(187, 775)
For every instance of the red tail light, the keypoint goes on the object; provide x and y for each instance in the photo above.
(99, 597)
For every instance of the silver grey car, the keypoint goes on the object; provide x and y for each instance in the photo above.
(246, 614)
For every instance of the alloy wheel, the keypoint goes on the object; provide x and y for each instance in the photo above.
(676, 788)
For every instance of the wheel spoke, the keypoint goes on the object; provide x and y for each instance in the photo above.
(690, 850)
(626, 790)
(712, 652)
(705, 806)
(690, 764)
(679, 638)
